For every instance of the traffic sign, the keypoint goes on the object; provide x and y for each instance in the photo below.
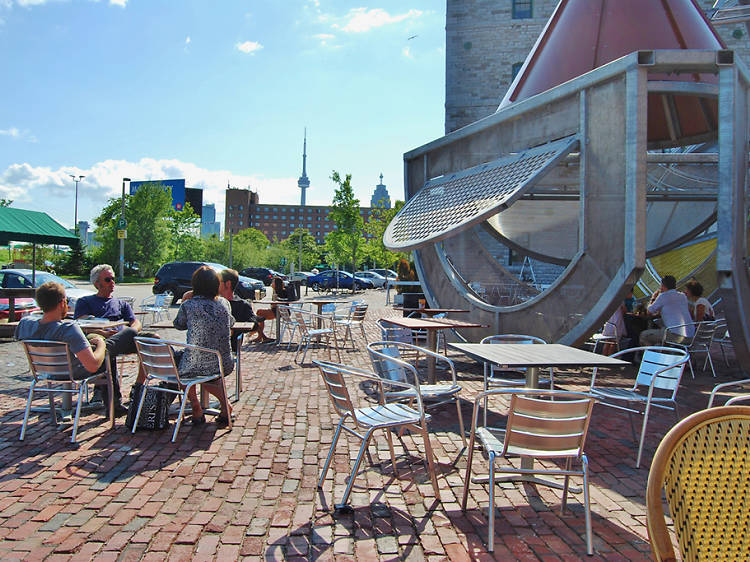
(122, 234)
(122, 224)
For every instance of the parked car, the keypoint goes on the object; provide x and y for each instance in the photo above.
(175, 277)
(301, 276)
(21, 279)
(377, 280)
(387, 273)
(263, 273)
(327, 280)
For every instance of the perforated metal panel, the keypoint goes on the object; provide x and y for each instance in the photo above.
(452, 203)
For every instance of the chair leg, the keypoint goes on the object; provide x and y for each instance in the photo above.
(52, 412)
(430, 461)
(352, 476)
(78, 413)
(491, 513)
(566, 485)
(330, 453)
(587, 504)
(140, 406)
(461, 427)
(181, 413)
(393, 453)
(643, 435)
(28, 409)
(467, 478)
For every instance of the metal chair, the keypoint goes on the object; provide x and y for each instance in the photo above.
(356, 317)
(700, 342)
(386, 415)
(238, 366)
(608, 335)
(308, 333)
(722, 337)
(388, 363)
(286, 323)
(721, 387)
(491, 377)
(543, 424)
(157, 306)
(157, 358)
(51, 367)
(702, 466)
(658, 376)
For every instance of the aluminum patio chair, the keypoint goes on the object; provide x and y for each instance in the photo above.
(388, 414)
(157, 306)
(656, 384)
(157, 358)
(700, 342)
(722, 337)
(721, 387)
(356, 317)
(542, 424)
(306, 321)
(52, 372)
(388, 362)
(608, 335)
(702, 466)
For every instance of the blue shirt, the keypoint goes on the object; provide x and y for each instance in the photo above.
(110, 308)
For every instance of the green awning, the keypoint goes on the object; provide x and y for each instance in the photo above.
(19, 225)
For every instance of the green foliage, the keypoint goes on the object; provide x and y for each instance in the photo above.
(215, 250)
(378, 255)
(6, 202)
(310, 250)
(184, 235)
(346, 242)
(249, 249)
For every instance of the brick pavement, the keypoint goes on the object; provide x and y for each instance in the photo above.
(251, 492)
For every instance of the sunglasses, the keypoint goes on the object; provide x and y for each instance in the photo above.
(108, 279)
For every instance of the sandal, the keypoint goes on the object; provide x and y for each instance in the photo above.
(222, 421)
(198, 421)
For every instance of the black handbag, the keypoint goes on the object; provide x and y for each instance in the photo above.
(155, 411)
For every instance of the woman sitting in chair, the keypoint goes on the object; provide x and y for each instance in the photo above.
(208, 320)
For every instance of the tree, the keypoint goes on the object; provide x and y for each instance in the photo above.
(216, 250)
(106, 234)
(249, 248)
(6, 202)
(310, 249)
(379, 219)
(184, 235)
(346, 241)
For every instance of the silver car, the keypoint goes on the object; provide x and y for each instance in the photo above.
(21, 279)
(377, 280)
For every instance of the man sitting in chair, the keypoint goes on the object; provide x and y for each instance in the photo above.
(119, 342)
(673, 307)
(88, 351)
(242, 310)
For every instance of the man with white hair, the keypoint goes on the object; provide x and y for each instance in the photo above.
(104, 305)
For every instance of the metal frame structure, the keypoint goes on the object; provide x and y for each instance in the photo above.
(607, 111)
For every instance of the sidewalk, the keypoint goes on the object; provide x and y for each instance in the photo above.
(251, 492)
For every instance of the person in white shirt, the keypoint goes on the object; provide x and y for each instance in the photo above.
(700, 309)
(673, 307)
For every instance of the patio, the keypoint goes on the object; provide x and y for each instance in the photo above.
(251, 492)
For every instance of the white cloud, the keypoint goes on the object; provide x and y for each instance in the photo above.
(362, 20)
(121, 3)
(11, 132)
(188, 40)
(52, 191)
(17, 134)
(248, 47)
(406, 51)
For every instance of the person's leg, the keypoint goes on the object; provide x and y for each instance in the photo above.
(123, 342)
(217, 389)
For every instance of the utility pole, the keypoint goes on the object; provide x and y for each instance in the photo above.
(122, 225)
(75, 218)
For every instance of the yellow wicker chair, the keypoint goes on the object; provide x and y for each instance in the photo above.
(703, 465)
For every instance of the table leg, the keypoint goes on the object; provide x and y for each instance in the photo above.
(432, 346)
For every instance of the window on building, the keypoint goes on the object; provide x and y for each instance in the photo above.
(309, 225)
(230, 207)
(522, 9)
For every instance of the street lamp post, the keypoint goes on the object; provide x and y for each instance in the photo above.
(122, 240)
(75, 218)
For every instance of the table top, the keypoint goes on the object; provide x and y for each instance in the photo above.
(535, 355)
(431, 311)
(237, 327)
(431, 323)
(93, 324)
(324, 301)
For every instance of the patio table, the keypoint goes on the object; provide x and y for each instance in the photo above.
(533, 358)
(431, 326)
(433, 311)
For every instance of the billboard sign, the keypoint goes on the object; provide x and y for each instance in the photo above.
(178, 190)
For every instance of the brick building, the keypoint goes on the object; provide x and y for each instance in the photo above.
(244, 210)
(487, 41)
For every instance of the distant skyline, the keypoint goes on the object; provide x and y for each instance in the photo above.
(215, 93)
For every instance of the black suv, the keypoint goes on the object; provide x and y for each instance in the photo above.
(175, 277)
(263, 273)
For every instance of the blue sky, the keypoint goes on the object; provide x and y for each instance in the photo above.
(215, 92)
